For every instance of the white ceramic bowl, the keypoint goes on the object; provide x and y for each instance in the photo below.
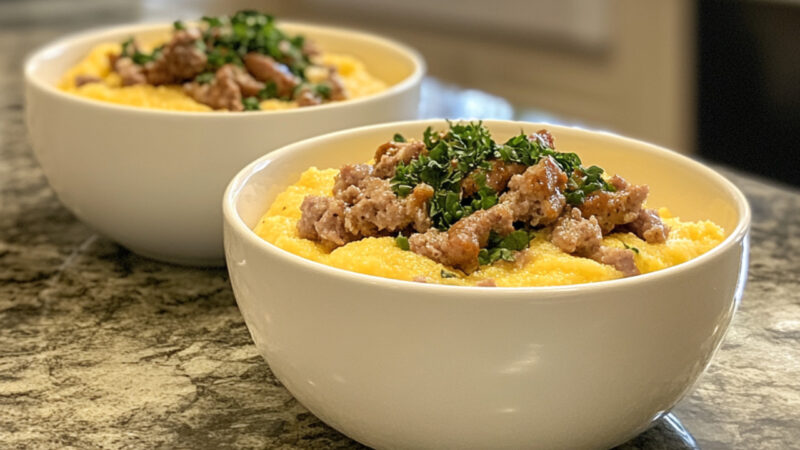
(151, 180)
(398, 364)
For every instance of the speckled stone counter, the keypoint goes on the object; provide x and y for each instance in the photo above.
(100, 348)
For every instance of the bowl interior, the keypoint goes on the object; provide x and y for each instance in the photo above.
(689, 189)
(385, 59)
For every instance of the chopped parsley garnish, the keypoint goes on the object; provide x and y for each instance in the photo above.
(227, 39)
(520, 149)
(219, 56)
(451, 157)
(230, 38)
(583, 182)
(503, 247)
(129, 50)
(251, 104)
(322, 90)
(446, 274)
(630, 247)
(213, 21)
(402, 242)
(204, 78)
(467, 150)
(269, 91)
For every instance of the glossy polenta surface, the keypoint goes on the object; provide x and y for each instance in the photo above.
(542, 264)
(357, 80)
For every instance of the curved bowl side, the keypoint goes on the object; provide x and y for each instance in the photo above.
(407, 365)
(152, 180)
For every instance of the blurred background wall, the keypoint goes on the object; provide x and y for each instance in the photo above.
(716, 78)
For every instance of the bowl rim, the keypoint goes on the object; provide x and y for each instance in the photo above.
(234, 222)
(34, 58)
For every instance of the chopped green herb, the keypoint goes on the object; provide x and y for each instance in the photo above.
(489, 256)
(323, 90)
(204, 78)
(214, 22)
(269, 91)
(524, 150)
(129, 50)
(516, 240)
(466, 149)
(144, 58)
(402, 242)
(141, 58)
(504, 247)
(446, 274)
(230, 38)
(451, 157)
(251, 104)
(128, 47)
(226, 40)
(219, 56)
(630, 247)
(486, 197)
(583, 182)
(398, 138)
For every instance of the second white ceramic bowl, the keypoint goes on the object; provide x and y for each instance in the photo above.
(151, 180)
(398, 364)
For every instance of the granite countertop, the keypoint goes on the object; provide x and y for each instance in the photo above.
(100, 348)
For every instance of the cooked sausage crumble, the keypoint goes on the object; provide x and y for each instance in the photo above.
(463, 200)
(233, 63)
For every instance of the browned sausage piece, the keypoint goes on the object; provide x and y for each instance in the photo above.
(348, 182)
(362, 206)
(615, 208)
(390, 154)
(323, 220)
(497, 177)
(180, 60)
(618, 258)
(536, 196)
(266, 70)
(130, 72)
(574, 234)
(221, 93)
(305, 97)
(583, 237)
(249, 86)
(459, 246)
(649, 226)
(378, 211)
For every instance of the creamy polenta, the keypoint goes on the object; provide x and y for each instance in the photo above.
(357, 80)
(243, 62)
(541, 264)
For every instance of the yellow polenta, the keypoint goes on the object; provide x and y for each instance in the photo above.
(358, 81)
(542, 264)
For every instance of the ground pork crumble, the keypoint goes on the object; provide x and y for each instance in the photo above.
(232, 70)
(531, 197)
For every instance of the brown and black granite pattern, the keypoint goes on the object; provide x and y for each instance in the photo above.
(100, 348)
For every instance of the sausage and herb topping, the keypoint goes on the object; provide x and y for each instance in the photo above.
(463, 200)
(233, 63)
